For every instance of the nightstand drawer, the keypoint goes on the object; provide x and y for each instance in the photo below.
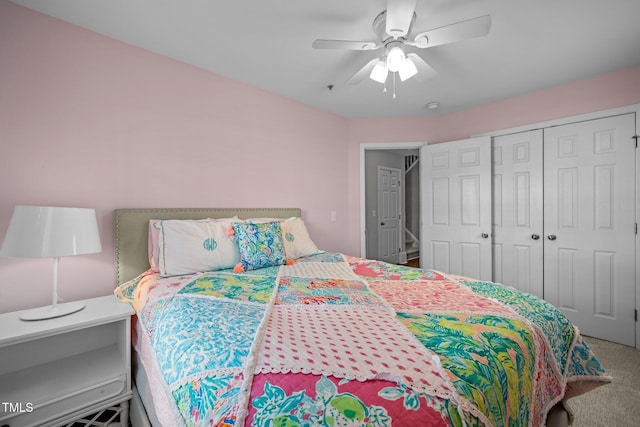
(73, 405)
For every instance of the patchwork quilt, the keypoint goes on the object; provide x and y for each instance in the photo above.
(334, 340)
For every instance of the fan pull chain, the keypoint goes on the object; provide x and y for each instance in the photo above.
(394, 85)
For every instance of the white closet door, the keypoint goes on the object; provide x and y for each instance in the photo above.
(517, 211)
(589, 203)
(456, 207)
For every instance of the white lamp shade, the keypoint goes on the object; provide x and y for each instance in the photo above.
(37, 231)
(379, 72)
(407, 70)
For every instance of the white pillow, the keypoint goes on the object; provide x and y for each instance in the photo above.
(191, 246)
(295, 236)
(262, 220)
(152, 244)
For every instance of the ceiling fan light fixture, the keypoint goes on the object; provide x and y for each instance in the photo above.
(395, 58)
(407, 70)
(379, 72)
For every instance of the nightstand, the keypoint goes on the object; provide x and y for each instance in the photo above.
(56, 371)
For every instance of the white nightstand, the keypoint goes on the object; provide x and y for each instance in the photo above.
(56, 371)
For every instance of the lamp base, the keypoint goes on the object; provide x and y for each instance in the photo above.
(52, 311)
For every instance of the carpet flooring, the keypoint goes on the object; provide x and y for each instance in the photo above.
(616, 404)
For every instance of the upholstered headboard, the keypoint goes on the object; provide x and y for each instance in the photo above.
(131, 228)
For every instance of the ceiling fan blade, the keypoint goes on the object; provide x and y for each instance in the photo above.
(425, 72)
(475, 27)
(364, 72)
(399, 17)
(344, 44)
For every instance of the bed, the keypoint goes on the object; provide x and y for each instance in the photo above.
(273, 331)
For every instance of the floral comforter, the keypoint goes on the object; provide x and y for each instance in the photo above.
(334, 340)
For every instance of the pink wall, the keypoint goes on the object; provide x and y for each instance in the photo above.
(88, 121)
(91, 122)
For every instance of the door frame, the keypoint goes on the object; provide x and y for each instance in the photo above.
(363, 210)
(633, 108)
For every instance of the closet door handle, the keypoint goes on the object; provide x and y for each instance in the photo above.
(535, 236)
(382, 223)
(484, 235)
(551, 237)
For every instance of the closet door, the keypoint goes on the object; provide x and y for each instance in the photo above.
(517, 211)
(456, 207)
(589, 205)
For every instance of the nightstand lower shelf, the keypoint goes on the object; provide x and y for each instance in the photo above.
(92, 379)
(64, 370)
(108, 417)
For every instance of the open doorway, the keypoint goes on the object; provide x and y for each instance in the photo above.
(380, 238)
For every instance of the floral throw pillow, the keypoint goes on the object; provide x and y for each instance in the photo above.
(260, 245)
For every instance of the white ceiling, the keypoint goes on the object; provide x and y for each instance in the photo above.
(532, 45)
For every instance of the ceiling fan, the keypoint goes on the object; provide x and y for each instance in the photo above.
(392, 27)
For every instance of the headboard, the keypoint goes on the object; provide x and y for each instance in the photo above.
(131, 231)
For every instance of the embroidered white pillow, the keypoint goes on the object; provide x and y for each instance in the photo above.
(154, 230)
(297, 242)
(191, 246)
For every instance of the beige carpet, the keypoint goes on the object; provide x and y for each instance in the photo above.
(616, 404)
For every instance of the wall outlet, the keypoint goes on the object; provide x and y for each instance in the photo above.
(334, 216)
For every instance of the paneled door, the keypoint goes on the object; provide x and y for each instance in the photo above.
(456, 207)
(589, 204)
(517, 211)
(389, 214)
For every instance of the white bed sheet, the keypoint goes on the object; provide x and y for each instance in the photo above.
(145, 414)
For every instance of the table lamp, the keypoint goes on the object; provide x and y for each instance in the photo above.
(52, 232)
